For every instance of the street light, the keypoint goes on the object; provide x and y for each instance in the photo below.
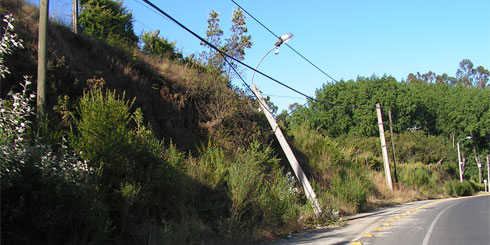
(283, 39)
(459, 159)
(293, 162)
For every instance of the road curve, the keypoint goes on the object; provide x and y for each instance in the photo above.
(451, 221)
(445, 221)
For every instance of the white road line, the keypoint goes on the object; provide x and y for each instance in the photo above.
(429, 232)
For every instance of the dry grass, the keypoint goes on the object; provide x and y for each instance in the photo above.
(383, 196)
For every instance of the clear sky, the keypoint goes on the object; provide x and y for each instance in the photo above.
(346, 39)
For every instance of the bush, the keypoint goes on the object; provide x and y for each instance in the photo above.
(46, 194)
(352, 187)
(456, 188)
(259, 191)
(423, 178)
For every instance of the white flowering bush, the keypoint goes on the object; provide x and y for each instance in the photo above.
(16, 148)
(15, 124)
(8, 42)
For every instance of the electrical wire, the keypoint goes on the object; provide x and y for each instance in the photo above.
(246, 84)
(283, 96)
(275, 35)
(246, 65)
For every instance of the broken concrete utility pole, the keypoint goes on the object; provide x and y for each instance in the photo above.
(298, 171)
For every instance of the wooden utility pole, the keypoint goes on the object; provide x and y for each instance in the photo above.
(74, 16)
(393, 146)
(41, 57)
(386, 159)
(298, 171)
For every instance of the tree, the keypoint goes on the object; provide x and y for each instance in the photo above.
(465, 73)
(481, 77)
(471, 77)
(235, 45)
(107, 20)
(238, 41)
(213, 36)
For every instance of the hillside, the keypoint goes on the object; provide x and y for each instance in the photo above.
(180, 102)
(140, 149)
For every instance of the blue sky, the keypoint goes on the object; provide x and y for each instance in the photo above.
(346, 39)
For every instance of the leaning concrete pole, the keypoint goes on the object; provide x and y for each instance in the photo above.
(298, 171)
(41, 57)
(386, 159)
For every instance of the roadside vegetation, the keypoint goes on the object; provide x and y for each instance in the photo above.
(141, 145)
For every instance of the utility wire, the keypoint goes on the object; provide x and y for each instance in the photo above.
(246, 65)
(246, 84)
(223, 53)
(275, 35)
(283, 96)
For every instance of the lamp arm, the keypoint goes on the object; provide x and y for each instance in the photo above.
(268, 52)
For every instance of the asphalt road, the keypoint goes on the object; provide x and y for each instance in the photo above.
(455, 221)
(446, 221)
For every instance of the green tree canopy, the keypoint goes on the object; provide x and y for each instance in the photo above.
(107, 20)
(438, 105)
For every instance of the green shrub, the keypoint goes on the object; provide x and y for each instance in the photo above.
(45, 192)
(456, 188)
(261, 195)
(351, 186)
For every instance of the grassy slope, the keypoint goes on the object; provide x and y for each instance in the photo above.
(180, 102)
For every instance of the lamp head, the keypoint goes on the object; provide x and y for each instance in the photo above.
(284, 39)
(468, 137)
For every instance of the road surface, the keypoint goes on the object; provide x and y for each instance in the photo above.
(445, 221)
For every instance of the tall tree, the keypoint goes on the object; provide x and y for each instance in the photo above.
(239, 40)
(235, 45)
(482, 76)
(213, 36)
(465, 73)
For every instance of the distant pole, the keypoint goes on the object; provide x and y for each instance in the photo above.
(41, 57)
(460, 163)
(479, 173)
(393, 146)
(74, 16)
(386, 159)
(488, 171)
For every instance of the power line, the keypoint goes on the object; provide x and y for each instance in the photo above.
(246, 65)
(282, 96)
(246, 84)
(223, 53)
(275, 35)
